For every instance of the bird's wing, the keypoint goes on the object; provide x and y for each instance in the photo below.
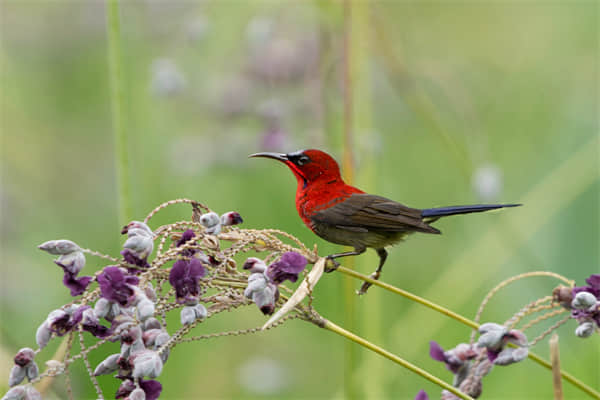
(366, 212)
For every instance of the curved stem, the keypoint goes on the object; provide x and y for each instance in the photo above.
(568, 377)
(326, 324)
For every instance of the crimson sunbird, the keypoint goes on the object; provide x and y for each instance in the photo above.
(343, 214)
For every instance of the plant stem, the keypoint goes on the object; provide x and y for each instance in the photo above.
(113, 27)
(365, 343)
(565, 375)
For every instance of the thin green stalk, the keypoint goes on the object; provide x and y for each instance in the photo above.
(365, 343)
(565, 375)
(350, 391)
(117, 100)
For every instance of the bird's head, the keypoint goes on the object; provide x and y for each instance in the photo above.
(307, 165)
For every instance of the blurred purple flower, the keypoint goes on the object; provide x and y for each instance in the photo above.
(116, 286)
(131, 257)
(288, 267)
(184, 278)
(421, 395)
(455, 359)
(494, 337)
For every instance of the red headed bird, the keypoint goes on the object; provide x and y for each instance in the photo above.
(343, 214)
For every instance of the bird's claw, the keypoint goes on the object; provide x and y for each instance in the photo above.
(365, 286)
(331, 265)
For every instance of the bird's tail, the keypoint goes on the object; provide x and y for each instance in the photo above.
(453, 210)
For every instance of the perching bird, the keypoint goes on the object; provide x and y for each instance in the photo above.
(343, 214)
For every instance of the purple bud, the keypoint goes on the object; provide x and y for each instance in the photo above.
(149, 337)
(126, 387)
(131, 335)
(72, 262)
(43, 335)
(256, 282)
(255, 265)
(141, 246)
(231, 218)
(58, 247)
(108, 365)
(137, 228)
(150, 292)
(17, 374)
(510, 355)
(146, 363)
(24, 356)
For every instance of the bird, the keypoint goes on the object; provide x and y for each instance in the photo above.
(345, 215)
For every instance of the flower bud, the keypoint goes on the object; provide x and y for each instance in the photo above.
(16, 393)
(150, 292)
(131, 335)
(137, 394)
(563, 295)
(510, 355)
(102, 307)
(491, 335)
(150, 336)
(231, 218)
(126, 387)
(187, 315)
(151, 323)
(72, 262)
(32, 370)
(212, 222)
(201, 312)
(43, 335)
(137, 228)
(145, 309)
(24, 356)
(583, 301)
(146, 363)
(108, 365)
(142, 246)
(17, 374)
(58, 247)
(585, 329)
(255, 265)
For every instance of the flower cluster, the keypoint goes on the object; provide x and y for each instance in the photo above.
(263, 280)
(584, 304)
(471, 362)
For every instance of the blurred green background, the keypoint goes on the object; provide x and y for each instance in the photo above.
(454, 103)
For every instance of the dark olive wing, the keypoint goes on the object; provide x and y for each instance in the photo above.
(366, 212)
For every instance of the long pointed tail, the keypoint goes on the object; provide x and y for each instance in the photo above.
(453, 210)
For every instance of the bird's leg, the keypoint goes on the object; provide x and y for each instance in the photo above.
(375, 275)
(332, 265)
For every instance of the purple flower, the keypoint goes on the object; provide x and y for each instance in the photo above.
(264, 293)
(132, 258)
(594, 286)
(231, 218)
(186, 237)
(150, 387)
(288, 267)
(422, 395)
(455, 359)
(63, 321)
(91, 324)
(76, 285)
(24, 356)
(117, 287)
(184, 278)
(494, 338)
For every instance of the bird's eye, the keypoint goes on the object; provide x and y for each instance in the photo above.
(302, 160)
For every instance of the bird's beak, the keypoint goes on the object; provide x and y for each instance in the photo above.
(275, 156)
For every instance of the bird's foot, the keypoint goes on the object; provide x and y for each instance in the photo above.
(331, 265)
(365, 286)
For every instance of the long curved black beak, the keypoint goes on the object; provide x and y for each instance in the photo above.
(275, 156)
